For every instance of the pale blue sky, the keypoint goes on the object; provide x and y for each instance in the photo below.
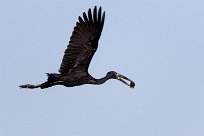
(157, 43)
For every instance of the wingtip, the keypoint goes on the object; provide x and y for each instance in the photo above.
(95, 7)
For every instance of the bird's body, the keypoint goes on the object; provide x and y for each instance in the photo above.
(77, 57)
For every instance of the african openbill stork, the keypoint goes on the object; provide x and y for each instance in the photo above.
(77, 57)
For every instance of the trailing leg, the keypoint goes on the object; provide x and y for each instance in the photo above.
(30, 86)
(52, 80)
(42, 86)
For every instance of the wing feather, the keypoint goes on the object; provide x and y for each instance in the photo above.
(83, 42)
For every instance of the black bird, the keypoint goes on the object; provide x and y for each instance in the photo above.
(77, 57)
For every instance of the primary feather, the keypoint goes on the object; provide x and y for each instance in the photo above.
(83, 42)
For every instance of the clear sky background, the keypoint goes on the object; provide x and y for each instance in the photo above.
(157, 43)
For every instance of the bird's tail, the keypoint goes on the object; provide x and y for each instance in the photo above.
(52, 77)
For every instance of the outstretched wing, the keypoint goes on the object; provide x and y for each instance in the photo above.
(83, 42)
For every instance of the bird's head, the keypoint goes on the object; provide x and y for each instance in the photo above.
(124, 79)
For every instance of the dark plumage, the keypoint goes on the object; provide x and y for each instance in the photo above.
(77, 57)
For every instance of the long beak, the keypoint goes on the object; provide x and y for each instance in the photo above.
(124, 79)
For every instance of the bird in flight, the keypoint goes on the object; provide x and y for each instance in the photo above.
(77, 57)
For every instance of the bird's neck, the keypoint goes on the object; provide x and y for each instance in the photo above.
(102, 80)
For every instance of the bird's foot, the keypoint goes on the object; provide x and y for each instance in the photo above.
(29, 86)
